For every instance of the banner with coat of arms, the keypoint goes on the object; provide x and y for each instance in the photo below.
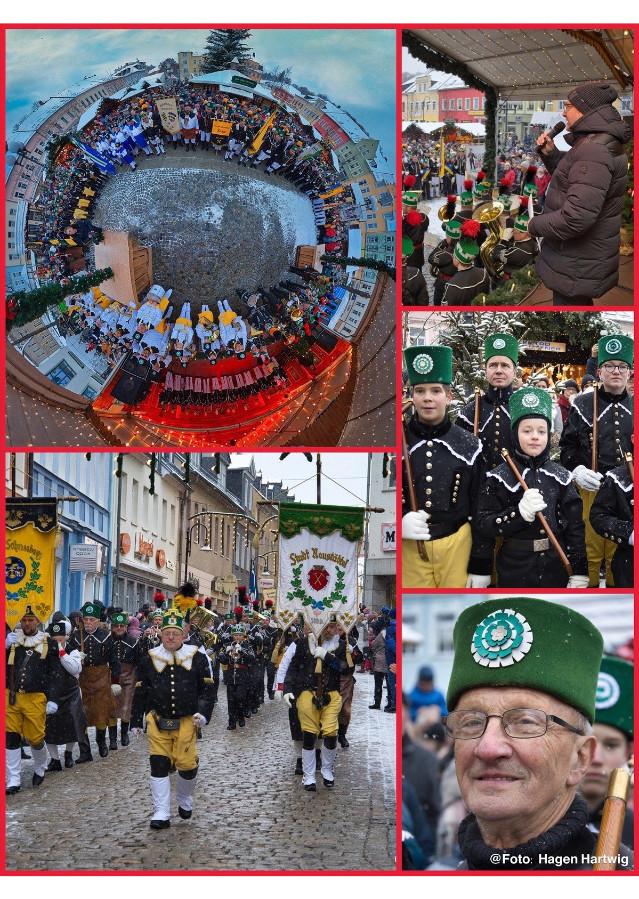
(318, 563)
(167, 108)
(31, 527)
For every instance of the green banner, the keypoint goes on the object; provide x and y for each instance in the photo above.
(322, 520)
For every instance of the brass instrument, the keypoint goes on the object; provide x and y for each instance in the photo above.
(444, 215)
(488, 213)
(202, 620)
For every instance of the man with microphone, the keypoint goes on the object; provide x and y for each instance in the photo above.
(581, 221)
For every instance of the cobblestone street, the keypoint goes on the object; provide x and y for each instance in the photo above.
(250, 810)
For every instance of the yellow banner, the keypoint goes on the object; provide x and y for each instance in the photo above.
(29, 570)
(221, 128)
(332, 193)
(167, 107)
(261, 134)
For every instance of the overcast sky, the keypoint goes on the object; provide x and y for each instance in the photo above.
(349, 469)
(354, 67)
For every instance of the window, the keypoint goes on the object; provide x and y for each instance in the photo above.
(466, 102)
(165, 509)
(444, 624)
(459, 102)
(475, 102)
(125, 496)
(172, 524)
(145, 508)
(135, 498)
(62, 374)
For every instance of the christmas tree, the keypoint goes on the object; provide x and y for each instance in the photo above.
(226, 49)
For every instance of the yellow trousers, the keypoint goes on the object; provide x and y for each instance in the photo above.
(318, 721)
(27, 717)
(446, 563)
(598, 548)
(177, 745)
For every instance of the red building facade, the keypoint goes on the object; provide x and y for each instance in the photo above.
(461, 104)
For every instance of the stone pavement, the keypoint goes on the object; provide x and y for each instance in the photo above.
(250, 813)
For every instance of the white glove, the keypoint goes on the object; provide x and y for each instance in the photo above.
(136, 731)
(577, 581)
(531, 502)
(288, 699)
(478, 580)
(507, 233)
(415, 526)
(116, 689)
(199, 720)
(586, 478)
(12, 638)
(320, 652)
(52, 708)
(81, 654)
(631, 539)
(312, 642)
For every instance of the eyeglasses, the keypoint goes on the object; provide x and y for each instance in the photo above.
(622, 366)
(521, 724)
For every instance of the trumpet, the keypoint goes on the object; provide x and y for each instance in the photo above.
(488, 214)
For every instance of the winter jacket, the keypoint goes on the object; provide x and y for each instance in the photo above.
(582, 215)
(378, 649)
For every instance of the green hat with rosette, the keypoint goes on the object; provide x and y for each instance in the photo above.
(410, 198)
(429, 364)
(452, 229)
(530, 401)
(91, 610)
(501, 344)
(119, 618)
(615, 694)
(172, 618)
(617, 347)
(527, 643)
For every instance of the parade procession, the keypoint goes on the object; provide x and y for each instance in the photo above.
(174, 697)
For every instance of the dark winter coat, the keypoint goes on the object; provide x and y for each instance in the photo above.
(582, 215)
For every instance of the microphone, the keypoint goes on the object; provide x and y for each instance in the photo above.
(551, 135)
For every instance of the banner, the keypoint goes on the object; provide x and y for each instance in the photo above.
(318, 563)
(261, 134)
(31, 527)
(97, 159)
(221, 128)
(167, 107)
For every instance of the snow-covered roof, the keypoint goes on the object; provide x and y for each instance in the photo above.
(439, 81)
(474, 128)
(89, 114)
(32, 121)
(139, 86)
(225, 80)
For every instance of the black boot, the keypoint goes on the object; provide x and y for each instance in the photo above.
(298, 766)
(375, 705)
(85, 751)
(100, 739)
(68, 759)
(341, 738)
(124, 733)
(241, 722)
(113, 737)
(318, 759)
(231, 725)
(54, 765)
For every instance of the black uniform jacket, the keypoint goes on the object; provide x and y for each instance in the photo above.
(442, 257)
(447, 469)
(498, 513)
(301, 672)
(414, 288)
(495, 432)
(32, 666)
(236, 659)
(614, 417)
(99, 649)
(127, 649)
(612, 511)
(174, 685)
(463, 287)
(515, 254)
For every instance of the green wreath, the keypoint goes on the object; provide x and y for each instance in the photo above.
(298, 592)
(32, 585)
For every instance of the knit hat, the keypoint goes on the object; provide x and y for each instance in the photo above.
(467, 247)
(528, 402)
(501, 344)
(452, 229)
(587, 97)
(466, 196)
(527, 643)
(615, 694)
(618, 347)
(172, 618)
(429, 364)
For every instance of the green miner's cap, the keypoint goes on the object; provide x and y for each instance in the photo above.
(527, 643)
(529, 401)
(453, 229)
(521, 221)
(91, 610)
(408, 246)
(615, 694)
(172, 618)
(465, 250)
(429, 364)
(618, 347)
(119, 618)
(501, 344)
(410, 198)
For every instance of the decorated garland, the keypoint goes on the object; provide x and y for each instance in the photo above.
(26, 306)
(512, 292)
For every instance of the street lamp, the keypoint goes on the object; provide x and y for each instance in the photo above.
(199, 523)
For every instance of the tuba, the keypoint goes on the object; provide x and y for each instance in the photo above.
(488, 214)
(203, 620)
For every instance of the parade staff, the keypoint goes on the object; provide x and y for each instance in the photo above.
(32, 674)
(100, 669)
(126, 649)
(317, 698)
(446, 466)
(614, 730)
(612, 517)
(525, 557)
(501, 354)
(172, 694)
(68, 725)
(581, 220)
(521, 712)
(614, 425)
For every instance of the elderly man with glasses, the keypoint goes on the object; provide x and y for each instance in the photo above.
(615, 355)
(522, 702)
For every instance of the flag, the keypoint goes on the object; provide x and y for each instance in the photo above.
(97, 159)
(318, 563)
(168, 111)
(261, 134)
(253, 583)
(31, 528)
(442, 155)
